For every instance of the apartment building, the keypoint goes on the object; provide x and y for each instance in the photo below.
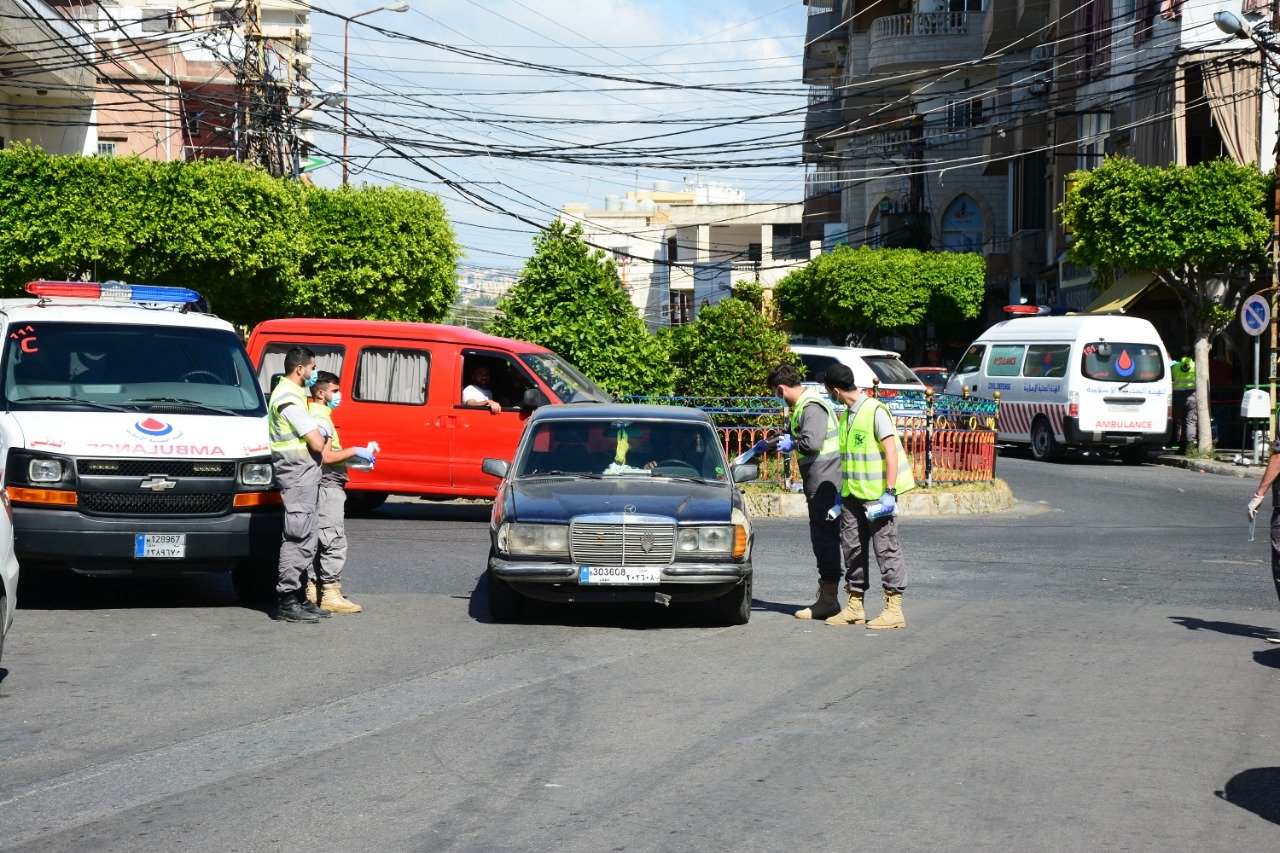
(678, 250)
(46, 79)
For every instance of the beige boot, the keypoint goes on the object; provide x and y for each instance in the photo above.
(891, 616)
(826, 605)
(331, 599)
(312, 598)
(853, 614)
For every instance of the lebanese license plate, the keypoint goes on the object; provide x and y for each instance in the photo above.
(603, 575)
(159, 545)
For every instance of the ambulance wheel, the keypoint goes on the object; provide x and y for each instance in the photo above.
(1134, 454)
(505, 604)
(255, 582)
(363, 503)
(1044, 447)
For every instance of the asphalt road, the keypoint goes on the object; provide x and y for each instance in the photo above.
(1086, 671)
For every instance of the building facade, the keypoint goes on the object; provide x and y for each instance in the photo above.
(46, 79)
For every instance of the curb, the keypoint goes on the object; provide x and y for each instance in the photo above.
(914, 504)
(1209, 466)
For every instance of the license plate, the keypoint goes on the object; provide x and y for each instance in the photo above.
(159, 545)
(603, 575)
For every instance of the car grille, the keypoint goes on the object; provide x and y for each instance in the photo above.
(149, 503)
(148, 467)
(607, 544)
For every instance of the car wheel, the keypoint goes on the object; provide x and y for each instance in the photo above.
(363, 503)
(734, 607)
(255, 582)
(1134, 454)
(1044, 447)
(505, 604)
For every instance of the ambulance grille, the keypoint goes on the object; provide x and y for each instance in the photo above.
(149, 467)
(154, 503)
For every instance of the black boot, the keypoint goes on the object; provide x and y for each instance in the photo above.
(313, 609)
(287, 610)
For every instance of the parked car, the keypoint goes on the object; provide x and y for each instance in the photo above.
(8, 571)
(933, 377)
(620, 502)
(898, 387)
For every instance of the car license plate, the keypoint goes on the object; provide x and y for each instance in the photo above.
(159, 545)
(620, 574)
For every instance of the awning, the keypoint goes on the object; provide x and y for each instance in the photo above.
(1122, 294)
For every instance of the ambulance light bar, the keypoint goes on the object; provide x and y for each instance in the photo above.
(1027, 310)
(115, 291)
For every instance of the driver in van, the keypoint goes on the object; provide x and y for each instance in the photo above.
(480, 392)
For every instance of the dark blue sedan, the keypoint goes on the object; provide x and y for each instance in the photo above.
(618, 502)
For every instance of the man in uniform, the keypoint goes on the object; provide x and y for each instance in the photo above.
(1269, 483)
(1185, 416)
(812, 432)
(875, 469)
(297, 442)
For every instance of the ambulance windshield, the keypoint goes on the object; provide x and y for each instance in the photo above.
(135, 368)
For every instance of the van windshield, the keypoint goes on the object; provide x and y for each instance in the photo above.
(1109, 361)
(569, 385)
(134, 368)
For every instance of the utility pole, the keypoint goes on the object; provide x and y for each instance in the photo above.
(265, 123)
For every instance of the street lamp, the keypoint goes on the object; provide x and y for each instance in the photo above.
(346, 60)
(332, 95)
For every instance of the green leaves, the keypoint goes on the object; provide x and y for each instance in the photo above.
(728, 351)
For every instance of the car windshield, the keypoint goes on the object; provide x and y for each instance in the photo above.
(1119, 362)
(622, 448)
(569, 385)
(890, 370)
(135, 368)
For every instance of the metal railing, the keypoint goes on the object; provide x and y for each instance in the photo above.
(920, 24)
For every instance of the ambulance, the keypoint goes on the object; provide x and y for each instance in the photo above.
(1073, 381)
(134, 438)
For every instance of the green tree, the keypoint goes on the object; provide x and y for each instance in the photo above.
(866, 291)
(1201, 230)
(569, 299)
(727, 352)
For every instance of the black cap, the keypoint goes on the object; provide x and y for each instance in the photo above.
(840, 377)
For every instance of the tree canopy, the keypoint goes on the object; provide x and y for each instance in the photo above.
(728, 351)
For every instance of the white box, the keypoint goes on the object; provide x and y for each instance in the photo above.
(1255, 404)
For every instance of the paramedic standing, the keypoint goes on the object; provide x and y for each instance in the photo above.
(297, 442)
(325, 588)
(1268, 483)
(1185, 423)
(813, 433)
(875, 469)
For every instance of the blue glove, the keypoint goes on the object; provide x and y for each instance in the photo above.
(786, 443)
(364, 454)
(761, 446)
(889, 502)
(834, 512)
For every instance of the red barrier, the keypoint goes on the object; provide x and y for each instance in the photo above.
(738, 440)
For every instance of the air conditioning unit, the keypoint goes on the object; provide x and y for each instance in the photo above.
(1042, 54)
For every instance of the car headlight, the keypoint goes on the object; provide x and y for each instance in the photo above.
(715, 539)
(255, 473)
(521, 539)
(45, 470)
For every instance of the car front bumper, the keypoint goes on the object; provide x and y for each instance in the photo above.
(681, 582)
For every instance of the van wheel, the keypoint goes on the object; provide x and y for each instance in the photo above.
(363, 503)
(1044, 447)
(1134, 454)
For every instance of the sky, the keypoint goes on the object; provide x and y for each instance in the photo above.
(510, 109)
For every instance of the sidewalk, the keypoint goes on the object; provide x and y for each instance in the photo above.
(1222, 464)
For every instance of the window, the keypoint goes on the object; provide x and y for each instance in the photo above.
(1046, 360)
(972, 359)
(328, 357)
(789, 243)
(505, 381)
(107, 148)
(815, 366)
(392, 376)
(1120, 362)
(192, 120)
(964, 112)
(1029, 172)
(964, 5)
(157, 20)
(1006, 360)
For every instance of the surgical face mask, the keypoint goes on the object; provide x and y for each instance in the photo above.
(310, 381)
(334, 401)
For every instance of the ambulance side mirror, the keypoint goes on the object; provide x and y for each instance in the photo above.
(532, 399)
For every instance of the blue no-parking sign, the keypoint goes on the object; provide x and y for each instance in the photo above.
(1255, 315)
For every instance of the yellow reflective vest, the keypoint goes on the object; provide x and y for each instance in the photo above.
(862, 461)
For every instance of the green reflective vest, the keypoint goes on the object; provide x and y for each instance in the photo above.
(1184, 379)
(284, 441)
(831, 441)
(862, 462)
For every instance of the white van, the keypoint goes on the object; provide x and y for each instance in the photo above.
(134, 436)
(1081, 380)
(881, 365)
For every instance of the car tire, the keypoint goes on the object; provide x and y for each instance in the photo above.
(255, 582)
(734, 607)
(1134, 454)
(1044, 447)
(505, 604)
(364, 503)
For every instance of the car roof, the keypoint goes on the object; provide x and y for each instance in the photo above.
(619, 411)
(63, 309)
(394, 329)
(811, 349)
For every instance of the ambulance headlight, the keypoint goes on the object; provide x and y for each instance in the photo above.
(255, 473)
(45, 471)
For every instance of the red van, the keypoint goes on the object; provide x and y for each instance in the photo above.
(402, 386)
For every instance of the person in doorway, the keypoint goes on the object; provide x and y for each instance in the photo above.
(813, 432)
(297, 442)
(479, 393)
(325, 587)
(874, 471)
(1185, 423)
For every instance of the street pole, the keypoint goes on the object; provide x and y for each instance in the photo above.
(346, 70)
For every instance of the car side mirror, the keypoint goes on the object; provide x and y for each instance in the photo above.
(533, 398)
(746, 472)
(495, 467)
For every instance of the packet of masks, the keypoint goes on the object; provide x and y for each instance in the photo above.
(355, 463)
(875, 510)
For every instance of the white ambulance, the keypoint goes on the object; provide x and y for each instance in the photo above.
(1073, 381)
(133, 436)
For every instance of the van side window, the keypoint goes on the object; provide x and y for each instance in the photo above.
(385, 375)
(972, 359)
(1006, 360)
(328, 357)
(1047, 360)
(507, 381)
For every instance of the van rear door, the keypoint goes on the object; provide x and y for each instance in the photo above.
(1126, 388)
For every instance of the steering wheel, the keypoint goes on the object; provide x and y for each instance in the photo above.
(675, 463)
(190, 374)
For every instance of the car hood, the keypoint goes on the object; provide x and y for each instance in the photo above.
(105, 433)
(550, 500)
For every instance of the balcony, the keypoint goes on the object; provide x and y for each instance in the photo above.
(924, 41)
(824, 31)
(823, 113)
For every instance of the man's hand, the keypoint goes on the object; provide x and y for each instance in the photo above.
(834, 512)
(364, 454)
(1254, 504)
(890, 502)
(761, 446)
(786, 444)
(495, 406)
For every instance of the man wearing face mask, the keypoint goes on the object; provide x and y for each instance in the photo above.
(297, 444)
(325, 588)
